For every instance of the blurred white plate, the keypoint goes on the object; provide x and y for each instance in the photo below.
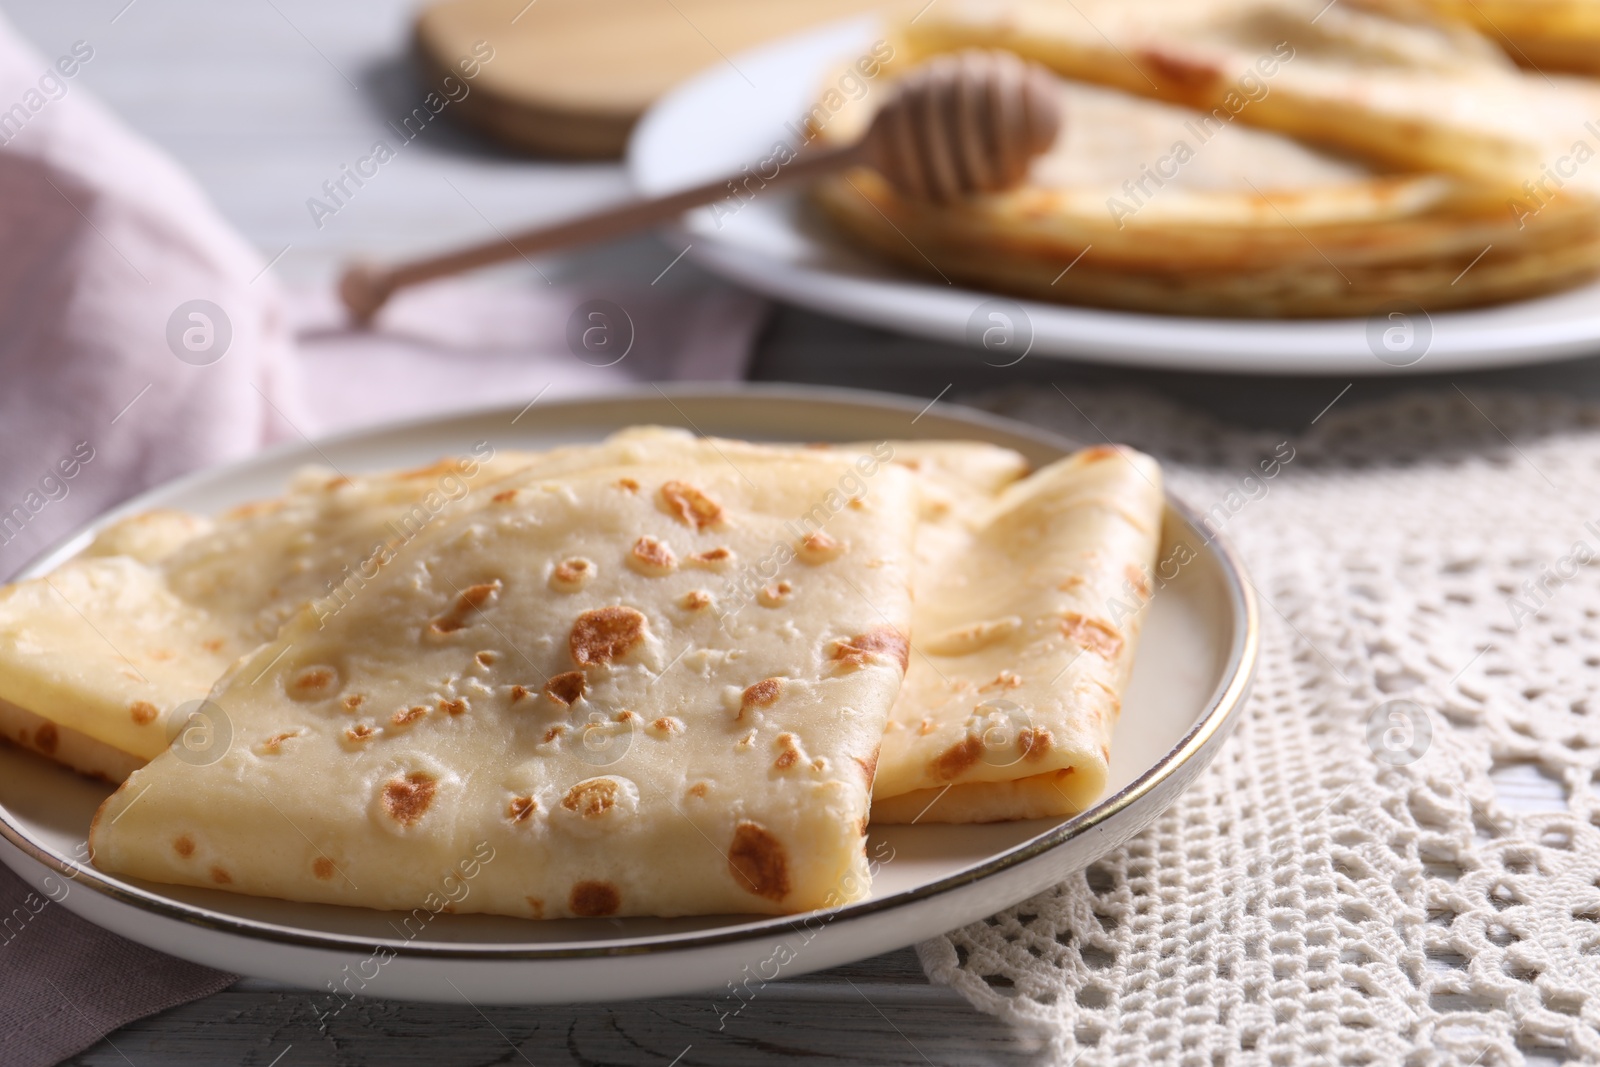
(732, 115)
(1194, 668)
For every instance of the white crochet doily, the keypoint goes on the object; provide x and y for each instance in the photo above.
(1325, 894)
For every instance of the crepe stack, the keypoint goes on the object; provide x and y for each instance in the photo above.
(1548, 35)
(1279, 158)
(658, 675)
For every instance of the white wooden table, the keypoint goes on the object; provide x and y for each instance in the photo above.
(263, 101)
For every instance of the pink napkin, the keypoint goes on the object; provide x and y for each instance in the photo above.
(140, 338)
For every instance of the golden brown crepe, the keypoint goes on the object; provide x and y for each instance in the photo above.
(113, 644)
(1546, 35)
(590, 662)
(1239, 158)
(548, 681)
(1024, 643)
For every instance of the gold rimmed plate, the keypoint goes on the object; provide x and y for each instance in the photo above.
(1193, 670)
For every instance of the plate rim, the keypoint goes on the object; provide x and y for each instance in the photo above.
(1223, 708)
(1308, 347)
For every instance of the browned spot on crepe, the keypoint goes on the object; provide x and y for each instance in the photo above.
(457, 706)
(354, 701)
(570, 574)
(1137, 579)
(593, 899)
(958, 757)
(629, 484)
(361, 731)
(184, 846)
(408, 798)
(790, 754)
(690, 504)
(591, 797)
(1178, 71)
(220, 876)
(322, 867)
(1092, 635)
(869, 767)
(518, 692)
(603, 634)
(758, 861)
(536, 906)
(471, 600)
(47, 738)
(406, 716)
(1003, 680)
(817, 547)
(504, 495)
(486, 658)
(1033, 743)
(699, 789)
(883, 641)
(763, 694)
(566, 688)
(712, 557)
(314, 683)
(521, 809)
(652, 556)
(696, 599)
(274, 744)
(143, 712)
(212, 644)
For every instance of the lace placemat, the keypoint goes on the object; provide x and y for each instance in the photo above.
(1351, 882)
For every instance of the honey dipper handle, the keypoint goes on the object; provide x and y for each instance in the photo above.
(364, 288)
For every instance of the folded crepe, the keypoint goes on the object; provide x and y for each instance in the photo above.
(102, 659)
(1029, 603)
(548, 681)
(99, 657)
(1241, 191)
(1434, 98)
(1029, 593)
(1547, 35)
(1003, 715)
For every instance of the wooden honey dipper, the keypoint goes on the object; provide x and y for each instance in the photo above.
(963, 123)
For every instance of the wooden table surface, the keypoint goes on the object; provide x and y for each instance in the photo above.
(263, 100)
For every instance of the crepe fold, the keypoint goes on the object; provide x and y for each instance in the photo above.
(1248, 158)
(1547, 35)
(99, 658)
(102, 659)
(660, 674)
(1028, 611)
(549, 680)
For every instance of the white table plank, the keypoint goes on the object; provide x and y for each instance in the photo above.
(881, 1011)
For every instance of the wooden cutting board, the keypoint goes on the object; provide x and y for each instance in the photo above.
(570, 77)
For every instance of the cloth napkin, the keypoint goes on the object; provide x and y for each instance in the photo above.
(140, 338)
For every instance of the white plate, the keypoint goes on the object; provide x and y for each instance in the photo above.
(732, 115)
(1193, 670)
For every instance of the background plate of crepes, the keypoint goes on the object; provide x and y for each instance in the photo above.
(576, 714)
(1267, 186)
